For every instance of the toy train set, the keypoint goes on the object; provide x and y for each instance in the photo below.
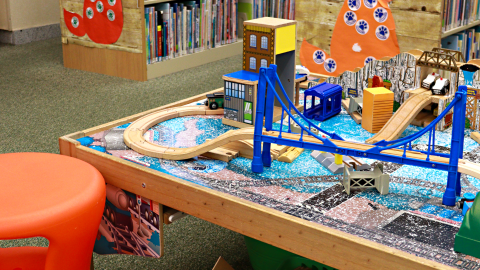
(303, 158)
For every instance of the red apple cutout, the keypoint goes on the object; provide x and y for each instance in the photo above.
(102, 21)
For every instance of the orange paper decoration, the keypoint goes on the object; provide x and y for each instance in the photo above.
(364, 31)
(102, 21)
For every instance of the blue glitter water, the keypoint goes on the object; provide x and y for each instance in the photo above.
(213, 128)
(175, 124)
(309, 187)
(422, 173)
(303, 165)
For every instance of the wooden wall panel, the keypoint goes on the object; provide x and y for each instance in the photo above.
(418, 23)
(105, 61)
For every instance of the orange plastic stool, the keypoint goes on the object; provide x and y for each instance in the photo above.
(52, 196)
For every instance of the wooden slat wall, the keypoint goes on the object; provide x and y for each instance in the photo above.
(131, 39)
(418, 23)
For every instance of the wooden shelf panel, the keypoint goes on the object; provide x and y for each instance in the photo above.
(149, 2)
(193, 60)
(460, 29)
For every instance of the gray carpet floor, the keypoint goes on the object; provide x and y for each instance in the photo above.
(40, 100)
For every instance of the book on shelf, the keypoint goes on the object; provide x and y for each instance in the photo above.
(467, 42)
(284, 9)
(177, 28)
(458, 13)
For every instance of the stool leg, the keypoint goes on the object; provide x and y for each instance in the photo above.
(71, 243)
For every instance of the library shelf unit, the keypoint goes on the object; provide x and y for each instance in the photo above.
(126, 58)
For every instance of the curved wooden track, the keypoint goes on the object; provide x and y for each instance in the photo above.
(403, 117)
(133, 137)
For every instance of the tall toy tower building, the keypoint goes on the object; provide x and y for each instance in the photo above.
(266, 41)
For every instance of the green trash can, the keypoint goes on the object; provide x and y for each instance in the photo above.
(267, 257)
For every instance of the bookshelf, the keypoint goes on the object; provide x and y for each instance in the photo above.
(460, 29)
(192, 60)
(126, 58)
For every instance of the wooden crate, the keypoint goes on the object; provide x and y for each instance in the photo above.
(377, 108)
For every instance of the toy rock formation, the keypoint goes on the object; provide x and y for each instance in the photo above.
(364, 31)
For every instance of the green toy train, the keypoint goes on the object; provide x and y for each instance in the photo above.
(215, 100)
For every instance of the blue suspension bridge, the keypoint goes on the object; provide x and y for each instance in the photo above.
(397, 151)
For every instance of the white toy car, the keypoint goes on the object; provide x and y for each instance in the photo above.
(429, 81)
(441, 86)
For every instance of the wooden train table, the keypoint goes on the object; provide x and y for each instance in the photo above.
(299, 206)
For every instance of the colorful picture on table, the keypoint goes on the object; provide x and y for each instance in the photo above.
(130, 225)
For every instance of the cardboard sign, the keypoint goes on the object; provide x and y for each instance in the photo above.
(472, 92)
(352, 92)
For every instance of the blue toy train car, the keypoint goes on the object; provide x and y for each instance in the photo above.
(328, 103)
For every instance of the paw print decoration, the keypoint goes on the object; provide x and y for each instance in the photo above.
(102, 21)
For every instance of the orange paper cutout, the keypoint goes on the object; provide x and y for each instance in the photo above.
(364, 31)
(102, 21)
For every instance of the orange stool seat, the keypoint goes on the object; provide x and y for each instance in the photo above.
(52, 196)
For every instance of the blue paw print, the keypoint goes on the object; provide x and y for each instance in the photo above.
(363, 25)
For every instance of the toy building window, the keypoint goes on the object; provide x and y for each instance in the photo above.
(253, 41)
(264, 43)
(253, 63)
(235, 89)
(227, 88)
(263, 63)
(241, 90)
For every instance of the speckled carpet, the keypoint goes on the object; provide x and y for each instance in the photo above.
(40, 100)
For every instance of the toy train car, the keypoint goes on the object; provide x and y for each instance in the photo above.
(215, 100)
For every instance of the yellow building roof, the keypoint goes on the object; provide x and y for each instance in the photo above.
(269, 22)
(379, 90)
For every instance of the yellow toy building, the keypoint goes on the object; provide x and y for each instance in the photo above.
(266, 41)
(377, 108)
